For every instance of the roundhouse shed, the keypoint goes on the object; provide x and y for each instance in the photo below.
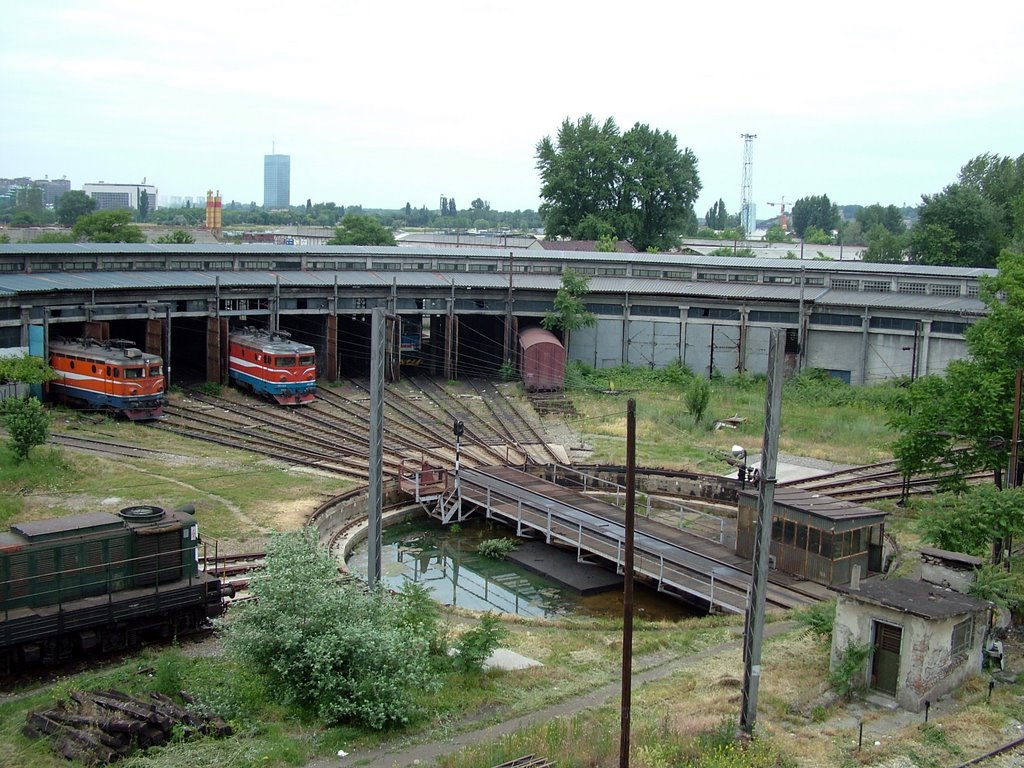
(863, 323)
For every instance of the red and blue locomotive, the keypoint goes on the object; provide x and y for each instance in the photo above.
(271, 364)
(112, 375)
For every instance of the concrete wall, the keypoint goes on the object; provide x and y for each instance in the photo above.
(927, 669)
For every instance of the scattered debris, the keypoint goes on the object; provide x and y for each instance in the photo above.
(731, 423)
(105, 726)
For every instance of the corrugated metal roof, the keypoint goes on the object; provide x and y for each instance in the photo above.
(227, 250)
(818, 505)
(918, 598)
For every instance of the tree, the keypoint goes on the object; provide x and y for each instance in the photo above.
(971, 521)
(357, 229)
(963, 420)
(958, 227)
(817, 211)
(606, 244)
(570, 312)
(25, 369)
(481, 205)
(178, 237)
(4, 238)
(27, 424)
(717, 217)
(885, 247)
(54, 237)
(776, 234)
(143, 205)
(452, 210)
(637, 184)
(816, 235)
(890, 217)
(108, 227)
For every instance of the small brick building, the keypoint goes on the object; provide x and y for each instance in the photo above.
(925, 640)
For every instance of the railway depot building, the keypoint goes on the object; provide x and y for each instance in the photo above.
(863, 323)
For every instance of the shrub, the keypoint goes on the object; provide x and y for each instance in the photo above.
(342, 652)
(698, 395)
(818, 619)
(496, 548)
(27, 423)
(847, 677)
(476, 645)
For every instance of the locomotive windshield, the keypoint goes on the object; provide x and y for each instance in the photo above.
(283, 361)
(154, 370)
(135, 373)
(305, 359)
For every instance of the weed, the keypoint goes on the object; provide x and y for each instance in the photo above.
(496, 548)
(847, 677)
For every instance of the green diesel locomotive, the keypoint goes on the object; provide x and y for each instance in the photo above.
(99, 582)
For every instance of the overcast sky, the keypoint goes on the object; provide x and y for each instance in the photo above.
(387, 103)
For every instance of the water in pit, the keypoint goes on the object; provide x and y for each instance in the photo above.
(445, 560)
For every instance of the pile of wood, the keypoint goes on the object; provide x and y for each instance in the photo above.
(104, 726)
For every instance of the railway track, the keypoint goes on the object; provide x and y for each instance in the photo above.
(873, 482)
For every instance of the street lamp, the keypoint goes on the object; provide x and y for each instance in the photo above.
(740, 454)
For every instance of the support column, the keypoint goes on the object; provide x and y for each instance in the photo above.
(332, 347)
(213, 349)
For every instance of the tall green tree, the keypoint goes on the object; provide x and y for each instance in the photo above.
(639, 184)
(815, 211)
(957, 227)
(885, 247)
(73, 205)
(963, 420)
(890, 217)
(357, 229)
(108, 227)
(717, 216)
(143, 205)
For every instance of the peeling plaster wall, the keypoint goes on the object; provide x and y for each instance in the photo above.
(927, 670)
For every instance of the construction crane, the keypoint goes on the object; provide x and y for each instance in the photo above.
(782, 212)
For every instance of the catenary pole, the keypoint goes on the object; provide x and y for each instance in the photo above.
(375, 504)
(753, 631)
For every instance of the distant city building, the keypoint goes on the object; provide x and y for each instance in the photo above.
(277, 171)
(182, 201)
(52, 188)
(112, 196)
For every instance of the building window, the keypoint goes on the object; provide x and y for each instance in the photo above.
(611, 271)
(481, 268)
(602, 309)
(449, 266)
(637, 272)
(387, 266)
(943, 289)
(893, 323)
(814, 281)
(962, 635)
(743, 277)
(972, 291)
(765, 316)
(912, 288)
(878, 286)
(832, 318)
(843, 284)
(712, 277)
(779, 279)
(945, 326)
(713, 313)
(678, 274)
(649, 310)
(584, 270)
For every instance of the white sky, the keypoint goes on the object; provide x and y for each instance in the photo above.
(393, 102)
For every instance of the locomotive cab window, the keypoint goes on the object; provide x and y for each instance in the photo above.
(305, 359)
(154, 370)
(282, 361)
(134, 373)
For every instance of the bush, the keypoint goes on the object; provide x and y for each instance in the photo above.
(698, 395)
(818, 619)
(496, 548)
(27, 423)
(847, 677)
(475, 646)
(342, 652)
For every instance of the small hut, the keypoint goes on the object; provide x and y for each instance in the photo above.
(814, 537)
(925, 641)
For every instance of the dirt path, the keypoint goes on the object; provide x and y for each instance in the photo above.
(427, 753)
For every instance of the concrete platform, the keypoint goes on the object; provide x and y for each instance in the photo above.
(561, 566)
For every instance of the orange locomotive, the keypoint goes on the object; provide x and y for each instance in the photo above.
(109, 375)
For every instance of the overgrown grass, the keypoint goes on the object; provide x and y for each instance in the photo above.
(821, 417)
